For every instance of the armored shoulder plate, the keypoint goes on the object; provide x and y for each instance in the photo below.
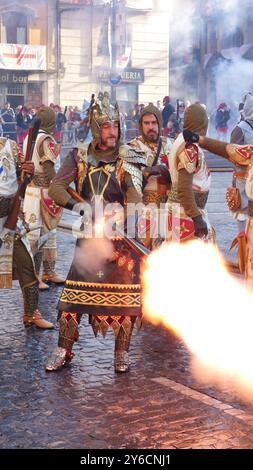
(132, 155)
(189, 158)
(240, 154)
(48, 149)
(135, 173)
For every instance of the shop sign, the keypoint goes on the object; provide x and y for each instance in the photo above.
(12, 77)
(127, 76)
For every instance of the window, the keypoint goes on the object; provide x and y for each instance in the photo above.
(234, 39)
(15, 28)
(212, 37)
(237, 38)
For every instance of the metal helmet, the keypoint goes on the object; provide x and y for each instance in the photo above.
(101, 111)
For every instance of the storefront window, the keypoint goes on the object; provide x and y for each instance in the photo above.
(127, 96)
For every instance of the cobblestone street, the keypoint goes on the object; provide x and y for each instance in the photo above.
(157, 405)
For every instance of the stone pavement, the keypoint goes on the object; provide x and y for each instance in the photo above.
(86, 406)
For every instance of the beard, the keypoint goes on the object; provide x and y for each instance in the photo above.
(152, 137)
(110, 142)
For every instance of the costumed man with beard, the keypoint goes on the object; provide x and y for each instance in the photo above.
(156, 173)
(242, 157)
(111, 172)
(39, 209)
(190, 183)
(156, 149)
(15, 250)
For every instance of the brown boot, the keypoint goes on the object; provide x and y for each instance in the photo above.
(43, 286)
(53, 277)
(49, 274)
(32, 315)
(37, 320)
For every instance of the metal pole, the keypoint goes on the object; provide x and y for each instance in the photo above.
(113, 47)
(58, 52)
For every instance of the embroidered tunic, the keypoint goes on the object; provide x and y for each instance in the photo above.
(111, 295)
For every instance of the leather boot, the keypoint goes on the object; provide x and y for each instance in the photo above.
(68, 334)
(49, 274)
(37, 320)
(43, 286)
(32, 315)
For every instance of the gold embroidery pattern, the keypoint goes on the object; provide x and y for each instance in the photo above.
(105, 286)
(119, 172)
(81, 174)
(104, 299)
(109, 168)
(100, 170)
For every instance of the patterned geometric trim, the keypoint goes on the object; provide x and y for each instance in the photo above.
(103, 299)
(105, 286)
(102, 323)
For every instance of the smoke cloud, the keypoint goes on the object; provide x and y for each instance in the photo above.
(233, 80)
(230, 73)
(92, 254)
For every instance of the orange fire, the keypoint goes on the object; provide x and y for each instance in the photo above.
(188, 289)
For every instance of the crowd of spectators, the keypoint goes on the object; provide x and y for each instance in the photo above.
(71, 123)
